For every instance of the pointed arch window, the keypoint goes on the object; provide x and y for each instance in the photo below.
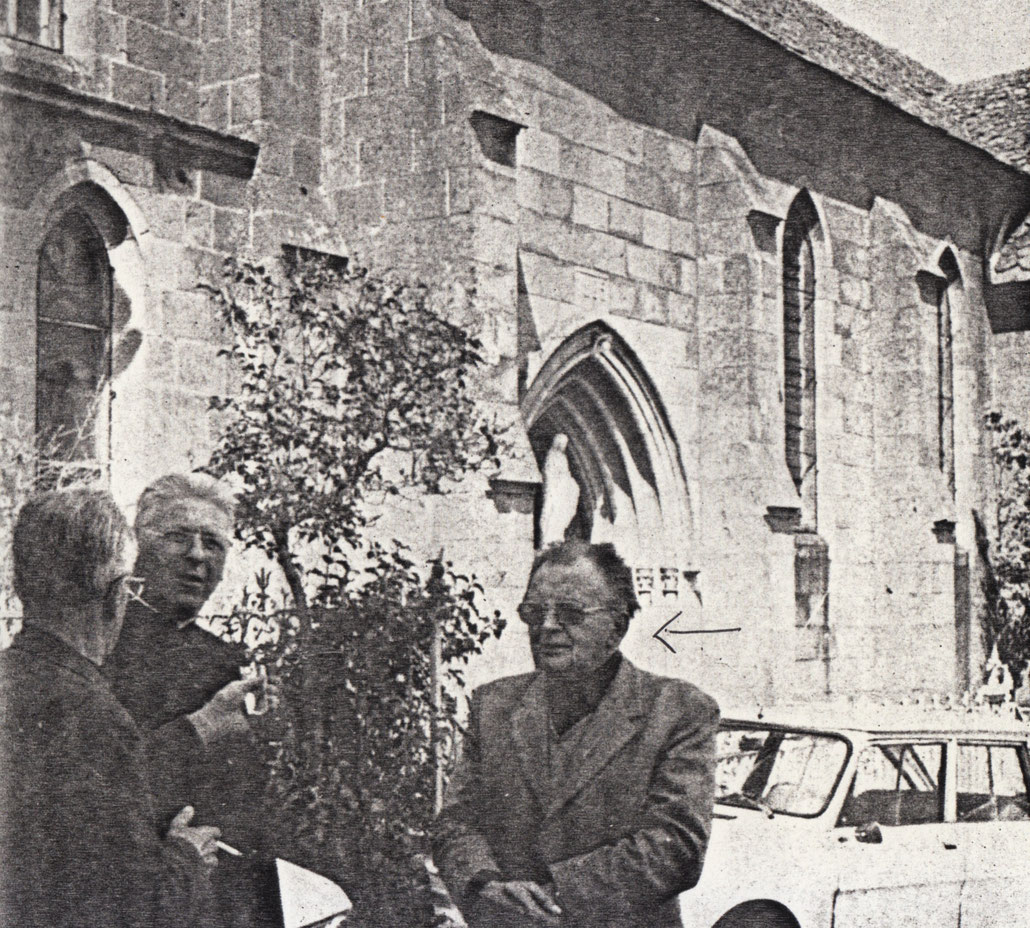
(73, 342)
(799, 373)
(946, 286)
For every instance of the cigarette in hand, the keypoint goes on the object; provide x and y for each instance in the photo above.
(255, 702)
(228, 848)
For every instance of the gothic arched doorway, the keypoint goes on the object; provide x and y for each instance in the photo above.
(623, 477)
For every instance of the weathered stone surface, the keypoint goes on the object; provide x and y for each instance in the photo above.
(631, 203)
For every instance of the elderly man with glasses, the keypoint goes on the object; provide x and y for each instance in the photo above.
(79, 841)
(182, 685)
(584, 794)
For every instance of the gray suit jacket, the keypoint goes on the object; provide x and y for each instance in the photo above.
(624, 835)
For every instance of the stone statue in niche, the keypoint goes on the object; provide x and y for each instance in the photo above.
(997, 688)
(560, 492)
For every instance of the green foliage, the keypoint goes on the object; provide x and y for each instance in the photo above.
(1007, 554)
(351, 387)
(353, 392)
(356, 769)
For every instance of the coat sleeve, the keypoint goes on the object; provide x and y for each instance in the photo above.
(115, 866)
(665, 854)
(460, 849)
(173, 752)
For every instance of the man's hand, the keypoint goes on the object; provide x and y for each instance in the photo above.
(202, 837)
(224, 715)
(523, 896)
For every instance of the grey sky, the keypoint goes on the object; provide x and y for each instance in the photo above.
(961, 39)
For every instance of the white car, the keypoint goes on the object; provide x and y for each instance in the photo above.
(893, 817)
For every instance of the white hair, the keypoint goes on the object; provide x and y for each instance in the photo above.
(172, 488)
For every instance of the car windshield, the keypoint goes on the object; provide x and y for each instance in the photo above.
(776, 770)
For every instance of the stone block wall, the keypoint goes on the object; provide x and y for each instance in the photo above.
(654, 206)
(673, 240)
(397, 137)
(250, 71)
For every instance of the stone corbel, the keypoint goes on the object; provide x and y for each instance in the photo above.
(783, 502)
(514, 487)
(944, 531)
(783, 520)
(513, 495)
(944, 510)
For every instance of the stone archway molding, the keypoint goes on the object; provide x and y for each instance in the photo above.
(89, 183)
(625, 374)
(84, 171)
(934, 258)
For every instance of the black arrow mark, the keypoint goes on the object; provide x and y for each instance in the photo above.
(688, 631)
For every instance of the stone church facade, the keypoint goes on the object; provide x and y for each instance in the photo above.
(765, 275)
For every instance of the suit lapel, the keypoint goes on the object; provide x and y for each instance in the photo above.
(529, 732)
(616, 721)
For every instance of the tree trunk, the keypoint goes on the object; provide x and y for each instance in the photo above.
(309, 694)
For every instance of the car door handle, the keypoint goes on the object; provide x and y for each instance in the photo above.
(950, 847)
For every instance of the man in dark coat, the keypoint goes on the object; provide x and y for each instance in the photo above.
(584, 795)
(182, 686)
(79, 842)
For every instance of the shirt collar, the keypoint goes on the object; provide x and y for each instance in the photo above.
(149, 615)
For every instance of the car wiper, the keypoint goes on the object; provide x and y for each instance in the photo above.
(748, 801)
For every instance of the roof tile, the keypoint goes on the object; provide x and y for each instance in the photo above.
(995, 113)
(992, 114)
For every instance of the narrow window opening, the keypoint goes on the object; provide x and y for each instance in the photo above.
(73, 345)
(799, 382)
(35, 21)
(497, 137)
(946, 285)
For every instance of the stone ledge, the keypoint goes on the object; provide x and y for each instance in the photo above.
(783, 520)
(205, 148)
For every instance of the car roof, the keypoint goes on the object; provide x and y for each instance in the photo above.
(883, 719)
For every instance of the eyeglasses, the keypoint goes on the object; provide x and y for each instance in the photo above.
(567, 615)
(180, 541)
(134, 590)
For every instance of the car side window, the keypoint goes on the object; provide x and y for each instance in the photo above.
(896, 784)
(992, 783)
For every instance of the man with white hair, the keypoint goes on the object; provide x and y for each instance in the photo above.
(182, 684)
(79, 841)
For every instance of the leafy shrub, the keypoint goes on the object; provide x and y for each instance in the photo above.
(353, 391)
(1007, 554)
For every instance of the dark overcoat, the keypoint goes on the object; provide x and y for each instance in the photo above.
(79, 842)
(161, 673)
(621, 837)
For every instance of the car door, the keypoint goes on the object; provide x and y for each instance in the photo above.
(992, 827)
(895, 861)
